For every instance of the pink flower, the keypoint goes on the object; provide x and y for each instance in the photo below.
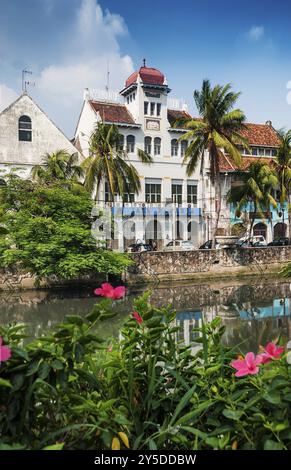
(5, 352)
(248, 365)
(137, 317)
(271, 352)
(107, 290)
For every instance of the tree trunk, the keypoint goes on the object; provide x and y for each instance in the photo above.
(217, 201)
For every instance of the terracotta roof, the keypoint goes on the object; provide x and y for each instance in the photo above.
(175, 115)
(261, 134)
(148, 75)
(226, 162)
(113, 112)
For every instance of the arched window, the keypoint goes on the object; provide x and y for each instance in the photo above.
(120, 142)
(24, 129)
(130, 141)
(174, 147)
(157, 146)
(148, 145)
(184, 146)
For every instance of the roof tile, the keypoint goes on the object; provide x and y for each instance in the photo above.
(111, 112)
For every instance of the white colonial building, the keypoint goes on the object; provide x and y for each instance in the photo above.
(26, 135)
(144, 115)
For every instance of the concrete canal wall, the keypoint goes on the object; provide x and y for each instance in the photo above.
(203, 264)
(14, 280)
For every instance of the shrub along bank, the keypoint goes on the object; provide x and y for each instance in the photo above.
(71, 390)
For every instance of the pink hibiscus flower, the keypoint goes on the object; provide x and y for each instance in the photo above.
(108, 291)
(137, 317)
(271, 352)
(248, 365)
(5, 352)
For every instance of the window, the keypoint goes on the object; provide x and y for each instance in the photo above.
(120, 145)
(127, 100)
(159, 109)
(274, 152)
(191, 193)
(146, 107)
(130, 141)
(148, 145)
(24, 129)
(153, 105)
(177, 191)
(174, 147)
(157, 146)
(153, 192)
(107, 193)
(267, 152)
(254, 151)
(184, 146)
(262, 152)
(128, 195)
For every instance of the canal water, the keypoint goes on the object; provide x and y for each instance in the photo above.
(254, 311)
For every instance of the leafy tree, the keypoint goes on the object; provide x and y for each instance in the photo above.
(59, 165)
(218, 128)
(107, 161)
(255, 188)
(49, 231)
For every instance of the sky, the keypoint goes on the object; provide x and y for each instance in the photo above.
(67, 44)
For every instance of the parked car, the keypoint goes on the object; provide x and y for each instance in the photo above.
(254, 241)
(179, 245)
(209, 245)
(139, 247)
(280, 242)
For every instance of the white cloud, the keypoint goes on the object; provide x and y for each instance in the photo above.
(256, 33)
(91, 45)
(288, 97)
(7, 96)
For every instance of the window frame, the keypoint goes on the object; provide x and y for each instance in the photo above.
(24, 128)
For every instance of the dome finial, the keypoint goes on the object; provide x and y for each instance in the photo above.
(144, 62)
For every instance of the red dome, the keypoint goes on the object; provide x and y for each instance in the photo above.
(147, 75)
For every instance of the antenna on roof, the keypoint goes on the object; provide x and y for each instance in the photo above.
(25, 82)
(144, 62)
(107, 79)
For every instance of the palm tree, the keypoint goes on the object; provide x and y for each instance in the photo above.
(59, 165)
(282, 164)
(108, 162)
(255, 188)
(218, 127)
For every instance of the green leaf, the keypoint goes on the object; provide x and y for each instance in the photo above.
(56, 364)
(58, 446)
(235, 415)
(273, 445)
(273, 397)
(5, 383)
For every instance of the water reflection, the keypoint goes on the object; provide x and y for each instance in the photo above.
(253, 312)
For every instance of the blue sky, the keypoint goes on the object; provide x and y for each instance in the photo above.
(67, 44)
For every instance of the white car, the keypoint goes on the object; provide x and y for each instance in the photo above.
(179, 245)
(255, 240)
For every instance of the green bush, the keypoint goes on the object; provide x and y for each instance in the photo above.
(71, 389)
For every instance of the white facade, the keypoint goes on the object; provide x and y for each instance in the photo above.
(165, 181)
(45, 137)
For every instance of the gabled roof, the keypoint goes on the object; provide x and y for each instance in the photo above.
(26, 95)
(175, 115)
(261, 134)
(112, 112)
(226, 162)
